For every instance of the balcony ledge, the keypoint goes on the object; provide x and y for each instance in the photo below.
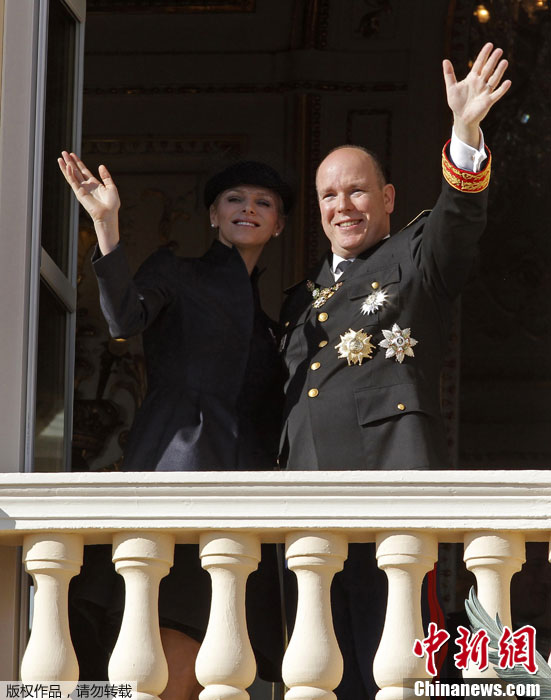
(361, 503)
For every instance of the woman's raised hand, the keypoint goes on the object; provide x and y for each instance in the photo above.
(100, 199)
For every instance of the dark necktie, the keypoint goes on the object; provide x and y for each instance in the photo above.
(343, 266)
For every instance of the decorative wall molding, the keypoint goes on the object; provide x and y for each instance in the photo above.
(321, 26)
(310, 26)
(169, 6)
(373, 18)
(314, 86)
(312, 238)
(141, 144)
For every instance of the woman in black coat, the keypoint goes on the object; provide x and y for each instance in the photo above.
(214, 379)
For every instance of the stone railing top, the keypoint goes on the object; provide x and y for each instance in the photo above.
(272, 503)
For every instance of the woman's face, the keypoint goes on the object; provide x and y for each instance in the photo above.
(247, 216)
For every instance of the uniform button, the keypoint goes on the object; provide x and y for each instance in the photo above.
(323, 317)
(313, 393)
(315, 365)
(401, 407)
(322, 343)
(375, 285)
(286, 324)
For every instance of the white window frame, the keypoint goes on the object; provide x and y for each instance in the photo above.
(43, 268)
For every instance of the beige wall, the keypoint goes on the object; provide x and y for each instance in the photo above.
(16, 201)
(1, 44)
(18, 21)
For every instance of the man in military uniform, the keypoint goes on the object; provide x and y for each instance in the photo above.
(364, 336)
(364, 347)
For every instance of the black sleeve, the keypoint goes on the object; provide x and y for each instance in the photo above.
(445, 245)
(131, 305)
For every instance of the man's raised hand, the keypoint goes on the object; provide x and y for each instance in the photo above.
(472, 98)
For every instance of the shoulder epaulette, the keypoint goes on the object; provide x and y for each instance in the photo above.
(420, 215)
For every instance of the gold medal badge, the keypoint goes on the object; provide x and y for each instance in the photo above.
(355, 347)
(321, 294)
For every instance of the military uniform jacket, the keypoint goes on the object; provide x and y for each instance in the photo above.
(380, 414)
(213, 372)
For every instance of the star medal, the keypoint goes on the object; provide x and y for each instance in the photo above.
(398, 343)
(355, 347)
(374, 301)
(321, 294)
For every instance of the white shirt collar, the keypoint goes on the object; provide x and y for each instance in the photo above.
(336, 260)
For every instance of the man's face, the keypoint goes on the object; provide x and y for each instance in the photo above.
(355, 206)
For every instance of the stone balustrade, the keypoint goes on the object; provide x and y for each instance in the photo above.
(316, 515)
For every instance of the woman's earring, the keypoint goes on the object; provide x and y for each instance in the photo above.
(276, 234)
(212, 226)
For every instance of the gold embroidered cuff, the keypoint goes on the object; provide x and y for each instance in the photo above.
(465, 180)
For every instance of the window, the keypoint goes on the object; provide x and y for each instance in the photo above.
(53, 278)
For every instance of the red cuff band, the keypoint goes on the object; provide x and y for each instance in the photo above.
(465, 180)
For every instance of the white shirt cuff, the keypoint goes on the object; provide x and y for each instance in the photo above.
(466, 157)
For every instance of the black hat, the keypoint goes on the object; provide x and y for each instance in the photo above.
(248, 172)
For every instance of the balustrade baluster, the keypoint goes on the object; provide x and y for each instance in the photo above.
(312, 666)
(142, 559)
(225, 664)
(52, 560)
(493, 558)
(405, 558)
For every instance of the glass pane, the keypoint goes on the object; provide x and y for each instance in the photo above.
(56, 196)
(49, 448)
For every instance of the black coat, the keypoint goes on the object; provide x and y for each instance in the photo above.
(214, 379)
(381, 414)
(214, 401)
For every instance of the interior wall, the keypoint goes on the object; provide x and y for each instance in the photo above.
(173, 92)
(284, 81)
